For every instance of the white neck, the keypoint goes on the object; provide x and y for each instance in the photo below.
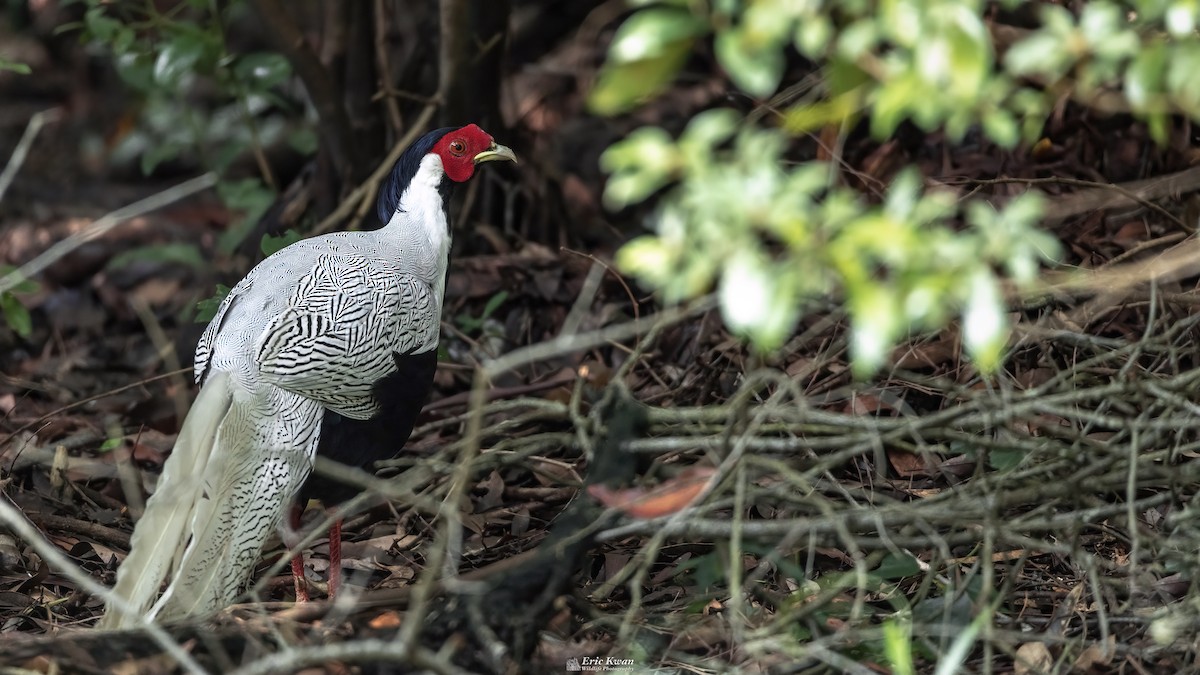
(418, 232)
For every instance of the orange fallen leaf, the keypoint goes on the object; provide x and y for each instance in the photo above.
(670, 497)
(386, 620)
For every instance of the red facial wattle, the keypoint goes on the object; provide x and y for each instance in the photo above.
(458, 150)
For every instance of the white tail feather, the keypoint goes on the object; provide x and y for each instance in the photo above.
(162, 532)
(263, 460)
(240, 459)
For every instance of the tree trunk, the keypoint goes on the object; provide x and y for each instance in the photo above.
(474, 36)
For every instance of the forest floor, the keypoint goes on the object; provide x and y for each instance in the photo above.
(784, 515)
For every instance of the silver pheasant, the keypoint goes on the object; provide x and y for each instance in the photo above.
(300, 345)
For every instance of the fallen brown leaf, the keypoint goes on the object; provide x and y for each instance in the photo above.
(1033, 658)
(1096, 654)
(670, 497)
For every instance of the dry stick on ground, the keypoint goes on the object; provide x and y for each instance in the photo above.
(856, 435)
(1106, 196)
(986, 412)
(22, 150)
(943, 513)
(296, 659)
(103, 225)
(96, 531)
(112, 392)
(20, 526)
(447, 549)
(771, 531)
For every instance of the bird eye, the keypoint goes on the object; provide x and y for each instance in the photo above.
(457, 148)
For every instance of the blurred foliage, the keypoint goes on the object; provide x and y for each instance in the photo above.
(16, 315)
(14, 66)
(206, 309)
(167, 54)
(772, 234)
(176, 253)
(270, 243)
(475, 324)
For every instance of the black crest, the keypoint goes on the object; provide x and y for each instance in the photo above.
(402, 174)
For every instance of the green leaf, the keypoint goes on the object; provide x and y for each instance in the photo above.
(181, 253)
(857, 39)
(892, 102)
(1159, 125)
(646, 257)
(969, 47)
(876, 320)
(249, 196)
(804, 119)
(137, 71)
(757, 301)
(110, 445)
(902, 21)
(1181, 17)
(897, 644)
(648, 50)
(654, 33)
(494, 303)
(15, 315)
(14, 67)
(897, 566)
(1001, 127)
(263, 70)
(813, 35)
(1004, 459)
(184, 55)
(1041, 52)
(1181, 80)
(22, 286)
(622, 86)
(710, 128)
(985, 327)
(157, 154)
(1144, 79)
(271, 244)
(472, 324)
(467, 323)
(1100, 21)
(100, 26)
(641, 164)
(206, 309)
(304, 141)
(754, 67)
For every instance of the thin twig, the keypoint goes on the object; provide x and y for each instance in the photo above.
(103, 225)
(22, 150)
(296, 659)
(112, 392)
(21, 527)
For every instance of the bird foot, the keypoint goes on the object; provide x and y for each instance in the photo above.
(299, 579)
(335, 558)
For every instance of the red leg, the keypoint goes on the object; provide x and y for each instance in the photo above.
(335, 558)
(298, 560)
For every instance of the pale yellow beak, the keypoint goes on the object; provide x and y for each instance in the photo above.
(495, 153)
